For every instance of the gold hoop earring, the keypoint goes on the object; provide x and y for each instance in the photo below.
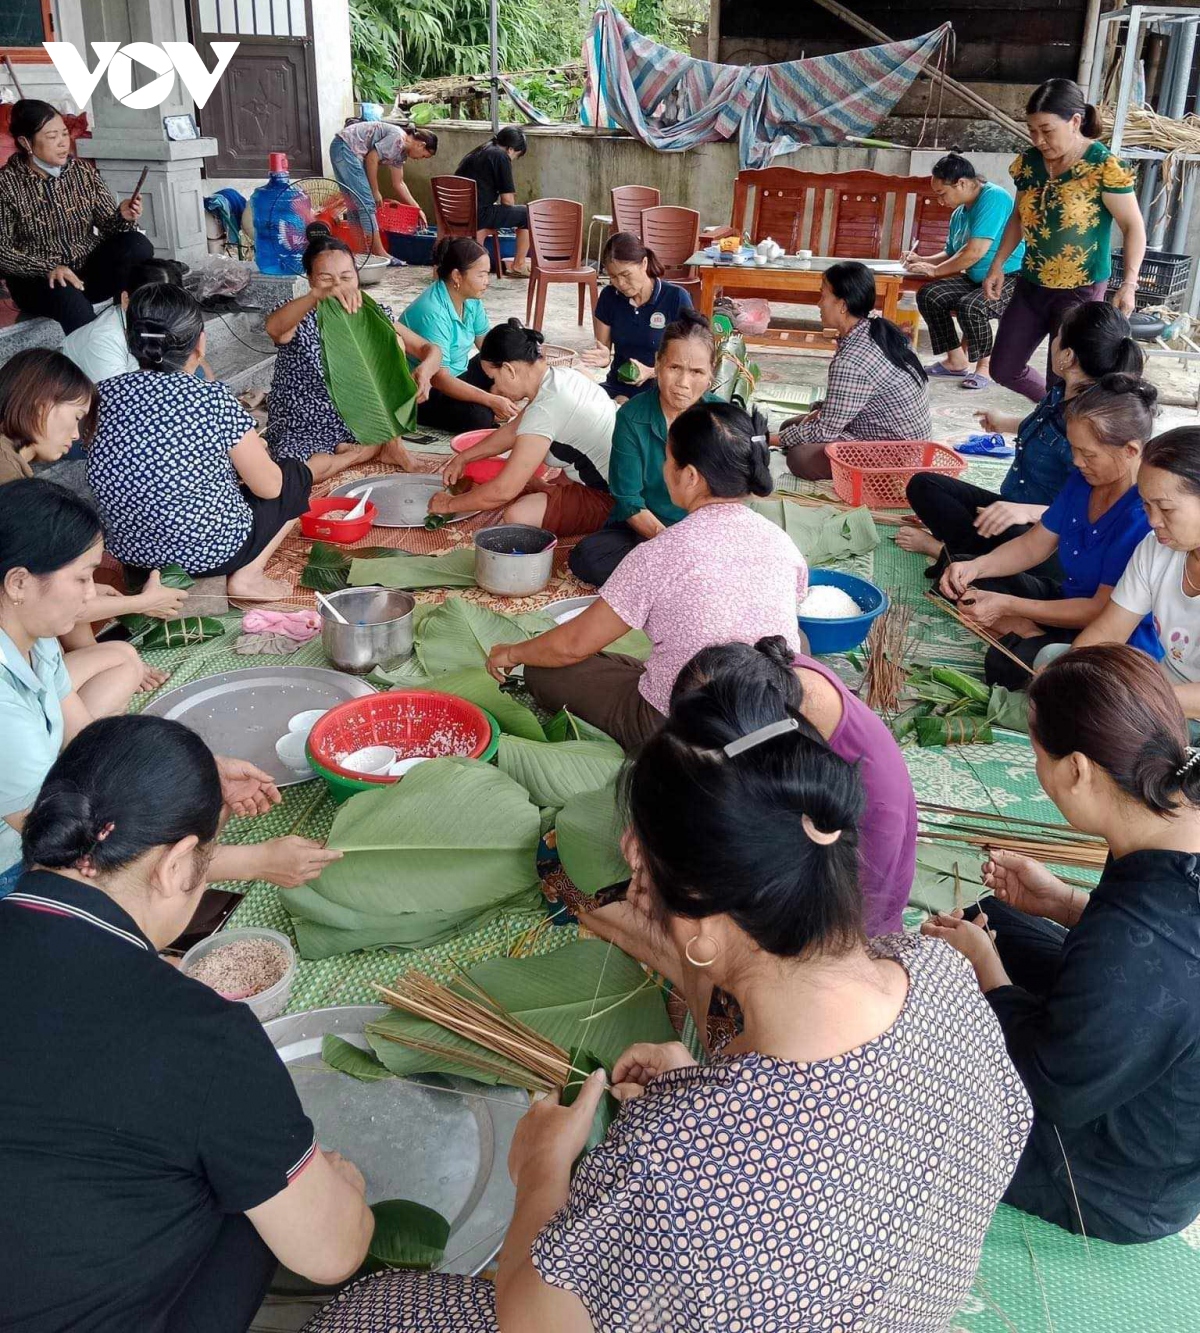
(687, 953)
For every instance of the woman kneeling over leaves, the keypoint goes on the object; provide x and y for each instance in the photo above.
(740, 1194)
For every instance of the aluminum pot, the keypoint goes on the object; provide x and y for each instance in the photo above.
(380, 628)
(514, 560)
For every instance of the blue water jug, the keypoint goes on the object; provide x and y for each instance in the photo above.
(281, 212)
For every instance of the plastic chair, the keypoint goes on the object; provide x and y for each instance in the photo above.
(629, 202)
(556, 248)
(456, 208)
(674, 236)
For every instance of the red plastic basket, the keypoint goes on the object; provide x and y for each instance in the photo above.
(316, 526)
(412, 722)
(875, 473)
(400, 219)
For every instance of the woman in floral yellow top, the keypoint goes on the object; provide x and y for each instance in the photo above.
(1070, 190)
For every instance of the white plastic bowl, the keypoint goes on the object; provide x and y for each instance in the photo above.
(370, 759)
(290, 749)
(307, 720)
(269, 1003)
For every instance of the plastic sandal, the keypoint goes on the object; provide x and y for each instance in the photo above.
(936, 370)
(985, 446)
(975, 381)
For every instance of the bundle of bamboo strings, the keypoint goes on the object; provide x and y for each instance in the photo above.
(1145, 128)
(469, 1012)
(887, 651)
(1056, 844)
(974, 627)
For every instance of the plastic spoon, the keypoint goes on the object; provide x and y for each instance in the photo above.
(361, 508)
(329, 606)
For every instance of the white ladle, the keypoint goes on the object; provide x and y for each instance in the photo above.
(361, 508)
(329, 606)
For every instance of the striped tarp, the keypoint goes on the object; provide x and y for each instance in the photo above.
(673, 101)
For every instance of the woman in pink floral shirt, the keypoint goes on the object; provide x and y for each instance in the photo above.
(722, 575)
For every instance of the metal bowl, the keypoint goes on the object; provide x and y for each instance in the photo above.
(380, 628)
(514, 559)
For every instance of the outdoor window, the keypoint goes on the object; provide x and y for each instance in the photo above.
(24, 26)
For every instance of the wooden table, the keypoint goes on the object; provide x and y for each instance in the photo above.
(789, 282)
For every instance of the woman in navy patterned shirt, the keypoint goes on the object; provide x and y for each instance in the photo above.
(827, 1170)
(180, 474)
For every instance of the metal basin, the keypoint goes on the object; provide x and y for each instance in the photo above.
(514, 560)
(380, 628)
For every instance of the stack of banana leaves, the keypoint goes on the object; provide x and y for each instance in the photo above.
(736, 377)
(943, 706)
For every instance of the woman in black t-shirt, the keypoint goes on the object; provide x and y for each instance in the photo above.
(490, 167)
(156, 1160)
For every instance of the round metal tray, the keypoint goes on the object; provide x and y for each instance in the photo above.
(402, 501)
(559, 610)
(243, 713)
(435, 1139)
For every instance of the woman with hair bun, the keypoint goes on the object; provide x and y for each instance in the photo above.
(722, 573)
(981, 212)
(304, 423)
(180, 473)
(1093, 528)
(835, 1166)
(1070, 190)
(568, 420)
(450, 314)
(632, 313)
(1162, 579)
(160, 1167)
(490, 167)
(1096, 992)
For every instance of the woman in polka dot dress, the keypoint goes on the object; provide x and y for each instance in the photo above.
(835, 1167)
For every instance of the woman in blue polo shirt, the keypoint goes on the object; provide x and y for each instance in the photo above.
(631, 314)
(449, 313)
(981, 212)
(642, 505)
(1094, 526)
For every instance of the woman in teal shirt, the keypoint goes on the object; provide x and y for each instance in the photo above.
(981, 212)
(642, 508)
(450, 313)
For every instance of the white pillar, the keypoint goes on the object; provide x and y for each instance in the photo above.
(123, 141)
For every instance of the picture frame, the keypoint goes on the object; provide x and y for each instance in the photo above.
(179, 128)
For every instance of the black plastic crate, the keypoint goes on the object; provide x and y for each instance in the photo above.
(1164, 277)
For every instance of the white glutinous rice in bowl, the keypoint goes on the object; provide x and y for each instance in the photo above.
(825, 602)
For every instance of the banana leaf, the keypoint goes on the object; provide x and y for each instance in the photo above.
(407, 1235)
(1009, 708)
(634, 644)
(822, 535)
(460, 634)
(565, 726)
(328, 567)
(587, 994)
(735, 377)
(553, 774)
(475, 685)
(171, 576)
(181, 633)
(347, 1058)
(583, 1064)
(454, 569)
(947, 877)
(366, 371)
(588, 834)
(441, 852)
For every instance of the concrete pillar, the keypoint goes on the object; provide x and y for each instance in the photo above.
(123, 140)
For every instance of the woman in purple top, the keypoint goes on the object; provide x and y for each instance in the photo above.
(791, 684)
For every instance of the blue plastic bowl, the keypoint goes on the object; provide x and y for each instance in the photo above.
(839, 636)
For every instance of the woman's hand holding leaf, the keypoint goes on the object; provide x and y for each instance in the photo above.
(645, 1061)
(501, 660)
(159, 601)
(550, 1137)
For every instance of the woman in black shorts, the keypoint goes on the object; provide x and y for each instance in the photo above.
(490, 167)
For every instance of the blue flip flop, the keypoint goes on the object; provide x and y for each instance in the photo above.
(975, 381)
(937, 371)
(985, 446)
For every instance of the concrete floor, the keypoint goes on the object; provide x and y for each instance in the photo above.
(953, 408)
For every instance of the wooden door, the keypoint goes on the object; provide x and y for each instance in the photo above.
(266, 101)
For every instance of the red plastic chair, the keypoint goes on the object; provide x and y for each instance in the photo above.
(456, 208)
(556, 248)
(629, 202)
(674, 236)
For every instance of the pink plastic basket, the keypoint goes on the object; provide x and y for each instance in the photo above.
(875, 473)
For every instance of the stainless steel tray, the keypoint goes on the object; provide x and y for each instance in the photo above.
(564, 606)
(402, 501)
(437, 1140)
(243, 713)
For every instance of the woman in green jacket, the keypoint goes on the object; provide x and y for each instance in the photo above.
(683, 371)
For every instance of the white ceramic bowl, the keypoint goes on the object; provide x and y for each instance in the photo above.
(370, 759)
(304, 722)
(402, 766)
(290, 749)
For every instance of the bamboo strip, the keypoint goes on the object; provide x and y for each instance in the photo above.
(1006, 819)
(1083, 855)
(974, 627)
(887, 651)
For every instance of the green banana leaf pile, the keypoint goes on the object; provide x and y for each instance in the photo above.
(366, 371)
(822, 535)
(328, 567)
(452, 569)
(735, 377)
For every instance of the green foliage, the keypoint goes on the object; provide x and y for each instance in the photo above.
(366, 371)
(589, 829)
(328, 567)
(407, 1235)
(347, 1058)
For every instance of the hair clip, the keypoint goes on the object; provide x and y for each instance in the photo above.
(767, 733)
(815, 835)
(1193, 758)
(147, 336)
(758, 439)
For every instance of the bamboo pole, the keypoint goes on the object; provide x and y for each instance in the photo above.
(960, 90)
(974, 627)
